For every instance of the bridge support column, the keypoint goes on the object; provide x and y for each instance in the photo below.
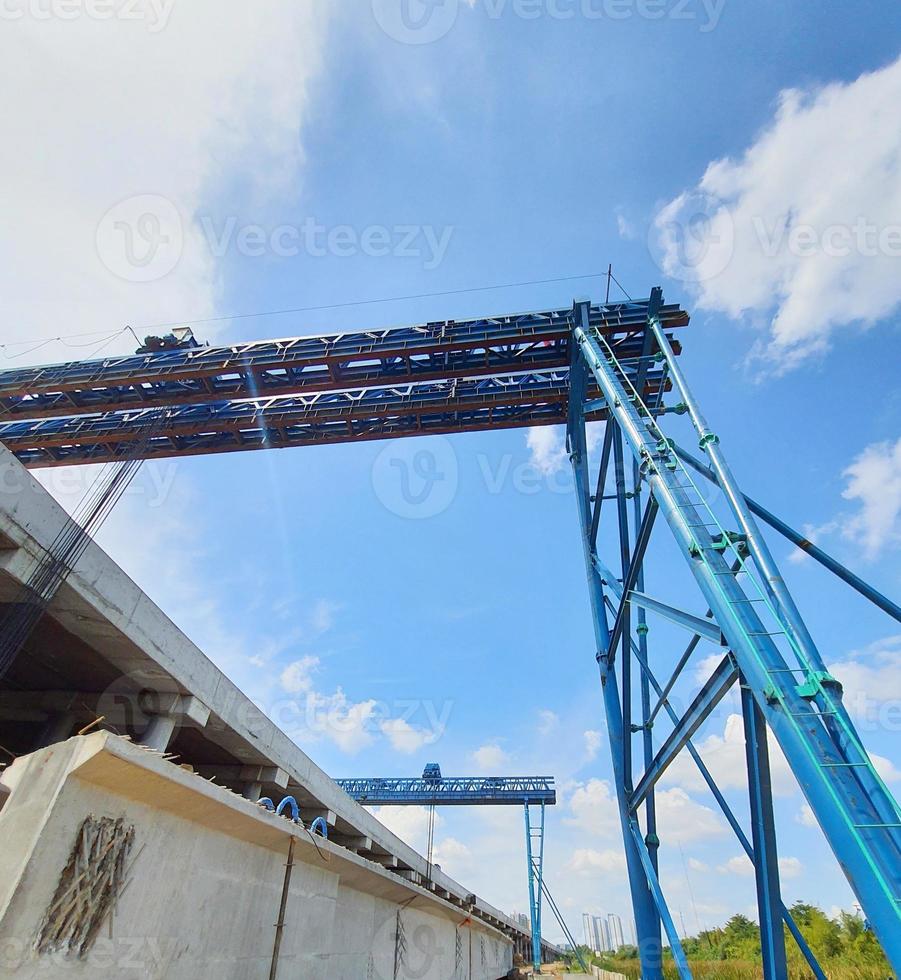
(182, 709)
(535, 859)
(763, 836)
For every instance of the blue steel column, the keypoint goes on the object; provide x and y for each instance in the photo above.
(536, 881)
(651, 838)
(628, 727)
(763, 836)
(646, 916)
(852, 824)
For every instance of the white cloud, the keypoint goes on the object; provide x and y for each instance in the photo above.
(409, 823)
(490, 758)
(724, 756)
(349, 724)
(783, 232)
(684, 819)
(548, 722)
(195, 115)
(887, 770)
(405, 737)
(593, 742)
(591, 863)
(594, 809)
(547, 447)
(874, 481)
(323, 617)
(740, 865)
(874, 485)
(813, 533)
(297, 677)
(805, 816)
(698, 866)
(871, 678)
(704, 668)
(625, 227)
(454, 856)
(789, 867)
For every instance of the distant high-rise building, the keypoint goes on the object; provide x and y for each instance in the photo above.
(616, 930)
(605, 929)
(586, 930)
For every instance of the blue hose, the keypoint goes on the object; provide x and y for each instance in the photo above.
(289, 801)
(319, 826)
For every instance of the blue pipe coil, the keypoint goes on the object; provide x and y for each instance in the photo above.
(290, 802)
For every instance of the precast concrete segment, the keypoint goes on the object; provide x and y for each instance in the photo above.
(204, 882)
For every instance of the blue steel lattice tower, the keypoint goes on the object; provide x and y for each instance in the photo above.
(764, 647)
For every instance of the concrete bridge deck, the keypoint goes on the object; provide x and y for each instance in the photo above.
(104, 648)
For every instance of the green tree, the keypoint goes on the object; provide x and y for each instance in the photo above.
(823, 935)
(741, 939)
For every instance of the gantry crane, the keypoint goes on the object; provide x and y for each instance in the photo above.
(532, 793)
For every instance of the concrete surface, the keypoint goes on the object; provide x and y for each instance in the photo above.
(205, 881)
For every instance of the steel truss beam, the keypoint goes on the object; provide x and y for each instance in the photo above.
(435, 351)
(751, 613)
(452, 791)
(320, 419)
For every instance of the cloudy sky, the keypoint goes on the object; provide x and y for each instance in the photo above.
(180, 162)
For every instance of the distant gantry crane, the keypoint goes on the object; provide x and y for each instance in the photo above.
(532, 793)
(609, 362)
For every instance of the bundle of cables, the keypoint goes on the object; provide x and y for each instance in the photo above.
(35, 594)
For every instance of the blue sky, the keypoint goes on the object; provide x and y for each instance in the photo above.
(511, 148)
